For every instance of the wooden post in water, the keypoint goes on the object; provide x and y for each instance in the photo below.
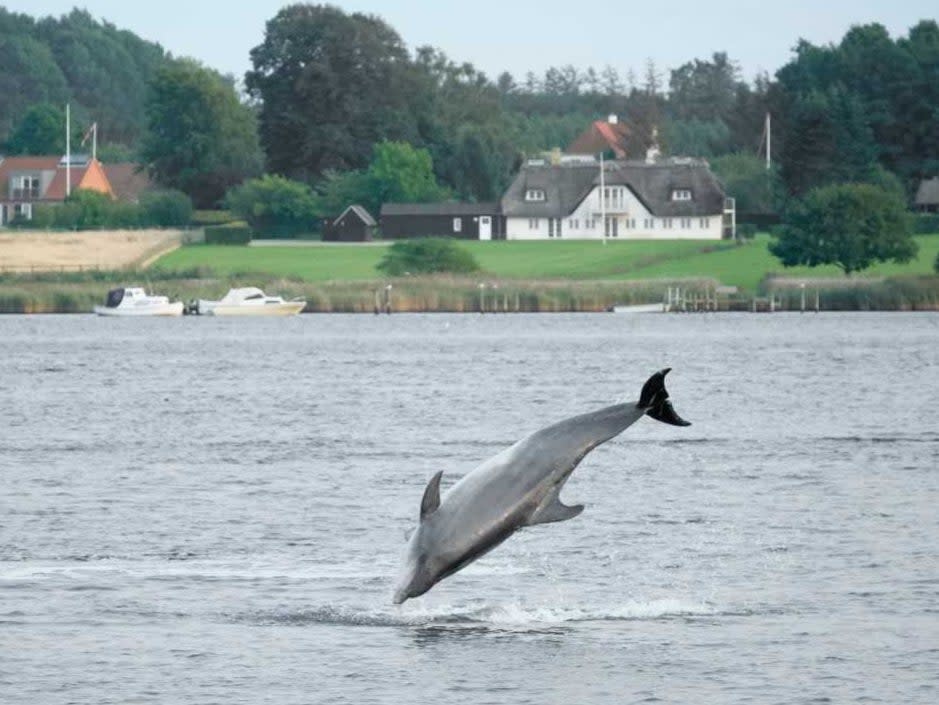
(482, 297)
(388, 299)
(802, 304)
(816, 300)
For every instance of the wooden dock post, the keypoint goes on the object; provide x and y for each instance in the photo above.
(802, 304)
(816, 300)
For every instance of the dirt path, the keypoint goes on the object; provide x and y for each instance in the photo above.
(111, 249)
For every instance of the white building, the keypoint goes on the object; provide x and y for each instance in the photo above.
(669, 200)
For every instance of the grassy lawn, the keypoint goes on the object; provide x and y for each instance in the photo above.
(743, 266)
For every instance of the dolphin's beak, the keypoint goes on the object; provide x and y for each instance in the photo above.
(399, 596)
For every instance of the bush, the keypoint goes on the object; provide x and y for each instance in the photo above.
(935, 265)
(275, 206)
(427, 256)
(93, 208)
(203, 218)
(926, 223)
(165, 209)
(231, 234)
(746, 231)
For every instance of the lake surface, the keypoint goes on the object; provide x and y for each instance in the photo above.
(213, 511)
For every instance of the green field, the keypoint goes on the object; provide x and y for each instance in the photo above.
(743, 266)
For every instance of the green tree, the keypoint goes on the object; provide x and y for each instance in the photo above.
(427, 256)
(201, 139)
(107, 70)
(41, 132)
(696, 138)
(274, 205)
(848, 225)
(330, 85)
(704, 90)
(746, 179)
(827, 139)
(398, 172)
(29, 75)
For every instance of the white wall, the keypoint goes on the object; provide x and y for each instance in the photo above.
(627, 211)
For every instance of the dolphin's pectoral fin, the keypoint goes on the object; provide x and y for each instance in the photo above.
(431, 499)
(553, 510)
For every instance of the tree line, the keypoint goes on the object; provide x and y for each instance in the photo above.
(326, 87)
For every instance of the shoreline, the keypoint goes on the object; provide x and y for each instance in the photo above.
(56, 293)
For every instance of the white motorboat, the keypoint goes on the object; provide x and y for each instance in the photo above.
(134, 301)
(639, 308)
(250, 301)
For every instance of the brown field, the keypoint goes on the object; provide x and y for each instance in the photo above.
(25, 251)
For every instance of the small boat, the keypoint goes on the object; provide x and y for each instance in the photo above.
(250, 301)
(639, 308)
(134, 301)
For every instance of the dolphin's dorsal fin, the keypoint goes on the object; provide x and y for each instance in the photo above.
(552, 510)
(431, 499)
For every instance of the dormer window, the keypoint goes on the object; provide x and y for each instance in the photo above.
(535, 195)
(681, 194)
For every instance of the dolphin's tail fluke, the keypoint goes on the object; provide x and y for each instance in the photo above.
(654, 399)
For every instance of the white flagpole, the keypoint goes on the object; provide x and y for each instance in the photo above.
(602, 200)
(94, 141)
(68, 150)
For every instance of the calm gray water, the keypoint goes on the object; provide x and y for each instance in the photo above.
(212, 511)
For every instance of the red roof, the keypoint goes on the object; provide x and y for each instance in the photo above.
(599, 137)
(56, 190)
(28, 164)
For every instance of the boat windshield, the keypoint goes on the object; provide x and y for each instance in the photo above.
(115, 296)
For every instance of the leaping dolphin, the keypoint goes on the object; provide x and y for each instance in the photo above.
(518, 487)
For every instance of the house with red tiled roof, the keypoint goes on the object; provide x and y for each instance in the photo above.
(29, 181)
(601, 136)
(129, 181)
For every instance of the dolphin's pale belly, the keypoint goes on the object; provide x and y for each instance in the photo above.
(518, 487)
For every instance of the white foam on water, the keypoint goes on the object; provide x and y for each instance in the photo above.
(508, 615)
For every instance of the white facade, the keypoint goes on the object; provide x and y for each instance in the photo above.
(626, 219)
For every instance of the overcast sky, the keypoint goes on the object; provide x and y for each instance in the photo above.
(524, 35)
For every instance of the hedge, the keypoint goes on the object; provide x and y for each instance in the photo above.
(926, 223)
(231, 234)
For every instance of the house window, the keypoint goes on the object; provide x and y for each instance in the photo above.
(535, 194)
(705, 223)
(23, 210)
(685, 223)
(667, 223)
(681, 194)
(457, 225)
(26, 187)
(532, 223)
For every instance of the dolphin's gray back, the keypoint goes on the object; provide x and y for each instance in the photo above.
(500, 496)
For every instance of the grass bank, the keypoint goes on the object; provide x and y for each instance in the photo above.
(745, 265)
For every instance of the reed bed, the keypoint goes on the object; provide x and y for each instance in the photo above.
(77, 292)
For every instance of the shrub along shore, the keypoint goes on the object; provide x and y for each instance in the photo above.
(78, 292)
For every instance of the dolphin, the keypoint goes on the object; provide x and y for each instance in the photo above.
(519, 487)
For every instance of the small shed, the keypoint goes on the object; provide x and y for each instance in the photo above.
(354, 225)
(466, 221)
(927, 195)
